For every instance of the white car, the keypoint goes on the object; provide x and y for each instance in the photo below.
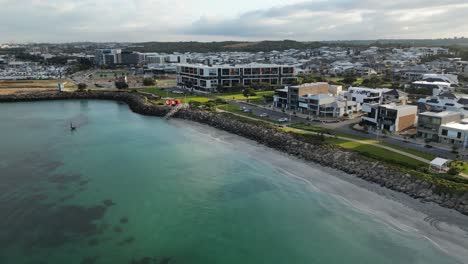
(263, 115)
(283, 119)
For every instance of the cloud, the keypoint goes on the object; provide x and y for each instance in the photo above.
(344, 19)
(205, 20)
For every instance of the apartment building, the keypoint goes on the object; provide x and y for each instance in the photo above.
(390, 117)
(295, 92)
(207, 78)
(107, 56)
(325, 105)
(429, 123)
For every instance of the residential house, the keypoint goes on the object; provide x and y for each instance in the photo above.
(429, 123)
(363, 95)
(454, 133)
(325, 105)
(395, 96)
(390, 117)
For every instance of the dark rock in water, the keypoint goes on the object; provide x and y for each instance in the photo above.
(108, 202)
(90, 260)
(124, 220)
(93, 242)
(118, 229)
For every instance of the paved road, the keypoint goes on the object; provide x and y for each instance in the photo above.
(273, 115)
(344, 127)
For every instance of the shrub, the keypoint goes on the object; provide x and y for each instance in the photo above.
(82, 86)
(121, 85)
(149, 82)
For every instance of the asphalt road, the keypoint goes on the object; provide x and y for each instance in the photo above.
(344, 127)
(273, 115)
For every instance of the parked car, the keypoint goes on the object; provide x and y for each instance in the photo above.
(264, 115)
(242, 108)
(283, 119)
(248, 110)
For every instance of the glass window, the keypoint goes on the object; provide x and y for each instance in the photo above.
(444, 132)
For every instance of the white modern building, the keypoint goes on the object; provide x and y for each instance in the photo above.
(363, 95)
(207, 78)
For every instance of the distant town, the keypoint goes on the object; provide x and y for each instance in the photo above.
(403, 93)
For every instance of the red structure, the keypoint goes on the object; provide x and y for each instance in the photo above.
(173, 102)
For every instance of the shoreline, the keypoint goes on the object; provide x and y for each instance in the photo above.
(326, 156)
(445, 229)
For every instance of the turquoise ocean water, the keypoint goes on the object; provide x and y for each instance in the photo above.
(125, 188)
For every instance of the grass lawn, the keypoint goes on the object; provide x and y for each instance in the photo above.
(185, 98)
(240, 96)
(34, 84)
(376, 152)
(421, 154)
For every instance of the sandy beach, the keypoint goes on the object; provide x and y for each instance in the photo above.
(446, 229)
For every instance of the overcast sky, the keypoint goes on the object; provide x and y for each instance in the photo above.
(213, 20)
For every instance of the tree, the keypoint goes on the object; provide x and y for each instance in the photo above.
(121, 85)
(249, 92)
(349, 80)
(149, 82)
(82, 86)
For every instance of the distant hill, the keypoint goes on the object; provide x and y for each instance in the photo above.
(169, 47)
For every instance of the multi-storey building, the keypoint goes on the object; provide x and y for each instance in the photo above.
(107, 56)
(429, 123)
(390, 117)
(207, 78)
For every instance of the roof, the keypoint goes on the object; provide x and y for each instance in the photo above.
(448, 95)
(396, 92)
(439, 162)
(463, 101)
(440, 114)
(400, 107)
(456, 125)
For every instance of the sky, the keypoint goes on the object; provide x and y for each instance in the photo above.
(215, 20)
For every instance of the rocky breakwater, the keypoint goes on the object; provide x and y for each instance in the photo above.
(412, 184)
(330, 156)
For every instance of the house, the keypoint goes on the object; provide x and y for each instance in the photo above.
(294, 92)
(390, 117)
(325, 105)
(363, 95)
(447, 78)
(454, 133)
(427, 88)
(447, 102)
(395, 96)
(429, 123)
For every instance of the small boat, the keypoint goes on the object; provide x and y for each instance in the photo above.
(72, 128)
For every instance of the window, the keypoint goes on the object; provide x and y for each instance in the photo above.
(444, 132)
(201, 72)
(225, 72)
(247, 71)
(459, 135)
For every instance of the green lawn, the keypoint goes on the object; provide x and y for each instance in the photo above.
(421, 154)
(376, 152)
(240, 96)
(185, 98)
